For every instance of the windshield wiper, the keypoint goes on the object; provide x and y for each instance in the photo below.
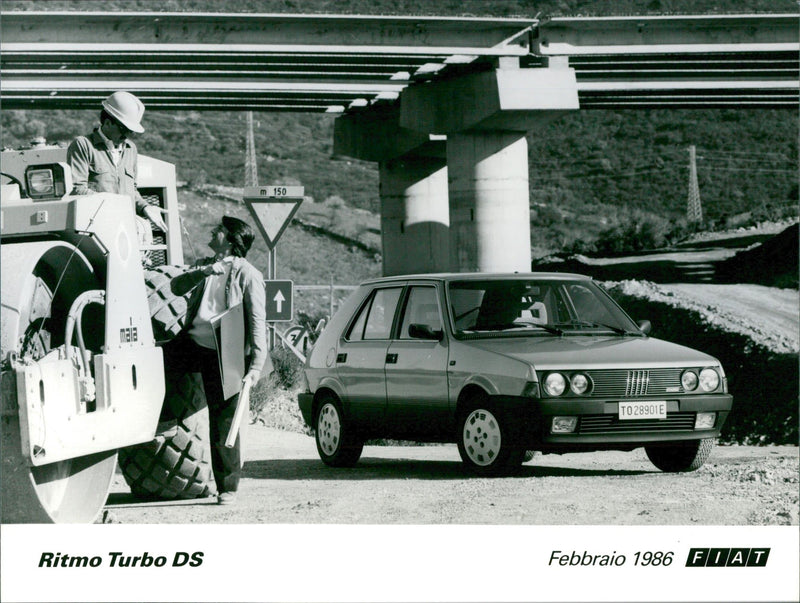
(525, 325)
(589, 323)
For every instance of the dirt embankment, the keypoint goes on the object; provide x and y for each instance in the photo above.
(733, 296)
(768, 316)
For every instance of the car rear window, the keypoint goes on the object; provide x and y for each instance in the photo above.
(374, 320)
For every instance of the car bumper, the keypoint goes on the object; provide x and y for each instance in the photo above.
(599, 423)
(306, 402)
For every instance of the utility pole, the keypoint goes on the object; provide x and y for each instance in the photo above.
(694, 212)
(250, 165)
(251, 179)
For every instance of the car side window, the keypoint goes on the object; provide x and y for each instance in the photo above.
(421, 308)
(381, 313)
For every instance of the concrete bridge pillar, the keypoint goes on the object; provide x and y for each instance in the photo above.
(489, 204)
(413, 188)
(461, 205)
(414, 215)
(485, 116)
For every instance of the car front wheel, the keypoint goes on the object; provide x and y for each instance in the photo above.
(337, 445)
(680, 457)
(486, 441)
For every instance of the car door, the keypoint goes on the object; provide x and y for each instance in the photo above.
(416, 367)
(361, 358)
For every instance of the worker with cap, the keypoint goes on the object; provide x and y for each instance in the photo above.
(105, 161)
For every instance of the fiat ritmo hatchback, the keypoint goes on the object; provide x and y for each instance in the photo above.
(504, 365)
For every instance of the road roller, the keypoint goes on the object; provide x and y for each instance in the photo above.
(82, 373)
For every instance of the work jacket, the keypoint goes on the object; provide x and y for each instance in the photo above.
(245, 284)
(93, 169)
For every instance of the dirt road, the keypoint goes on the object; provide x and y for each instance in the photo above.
(285, 482)
(767, 315)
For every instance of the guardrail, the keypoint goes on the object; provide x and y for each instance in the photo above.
(330, 289)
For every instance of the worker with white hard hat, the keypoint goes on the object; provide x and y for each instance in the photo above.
(106, 159)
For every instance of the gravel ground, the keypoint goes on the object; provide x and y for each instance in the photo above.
(285, 482)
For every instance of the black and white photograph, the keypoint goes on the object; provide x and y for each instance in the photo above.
(399, 300)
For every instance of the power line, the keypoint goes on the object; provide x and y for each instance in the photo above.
(748, 170)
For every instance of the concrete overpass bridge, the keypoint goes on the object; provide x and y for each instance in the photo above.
(443, 105)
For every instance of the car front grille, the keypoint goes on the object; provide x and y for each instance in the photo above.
(621, 383)
(598, 424)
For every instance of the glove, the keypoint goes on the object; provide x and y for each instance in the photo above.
(153, 213)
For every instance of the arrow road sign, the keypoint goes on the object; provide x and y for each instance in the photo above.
(279, 301)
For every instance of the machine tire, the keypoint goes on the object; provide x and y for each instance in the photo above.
(681, 457)
(176, 463)
(481, 422)
(167, 310)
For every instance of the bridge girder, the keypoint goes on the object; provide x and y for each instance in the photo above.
(336, 63)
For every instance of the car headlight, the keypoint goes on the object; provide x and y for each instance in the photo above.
(555, 384)
(689, 381)
(579, 383)
(709, 380)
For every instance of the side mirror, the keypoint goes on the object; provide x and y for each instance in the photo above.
(645, 326)
(420, 331)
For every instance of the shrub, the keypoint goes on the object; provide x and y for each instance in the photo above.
(288, 369)
(637, 232)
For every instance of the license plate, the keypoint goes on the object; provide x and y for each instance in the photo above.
(656, 409)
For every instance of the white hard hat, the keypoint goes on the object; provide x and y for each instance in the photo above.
(125, 108)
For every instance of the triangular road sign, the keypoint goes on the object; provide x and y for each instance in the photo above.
(272, 214)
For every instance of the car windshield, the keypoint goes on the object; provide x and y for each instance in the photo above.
(526, 306)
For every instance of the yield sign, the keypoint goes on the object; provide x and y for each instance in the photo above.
(273, 207)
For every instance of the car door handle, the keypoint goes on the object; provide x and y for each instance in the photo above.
(341, 358)
(391, 358)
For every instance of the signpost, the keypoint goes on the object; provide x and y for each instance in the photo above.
(273, 207)
(279, 301)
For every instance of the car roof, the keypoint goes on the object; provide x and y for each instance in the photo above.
(482, 276)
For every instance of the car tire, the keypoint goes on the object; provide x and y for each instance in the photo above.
(337, 443)
(487, 440)
(680, 457)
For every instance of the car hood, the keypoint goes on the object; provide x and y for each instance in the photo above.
(594, 352)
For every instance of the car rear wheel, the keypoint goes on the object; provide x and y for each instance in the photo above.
(487, 441)
(337, 444)
(680, 457)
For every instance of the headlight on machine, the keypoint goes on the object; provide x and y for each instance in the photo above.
(709, 380)
(41, 182)
(689, 381)
(48, 181)
(555, 384)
